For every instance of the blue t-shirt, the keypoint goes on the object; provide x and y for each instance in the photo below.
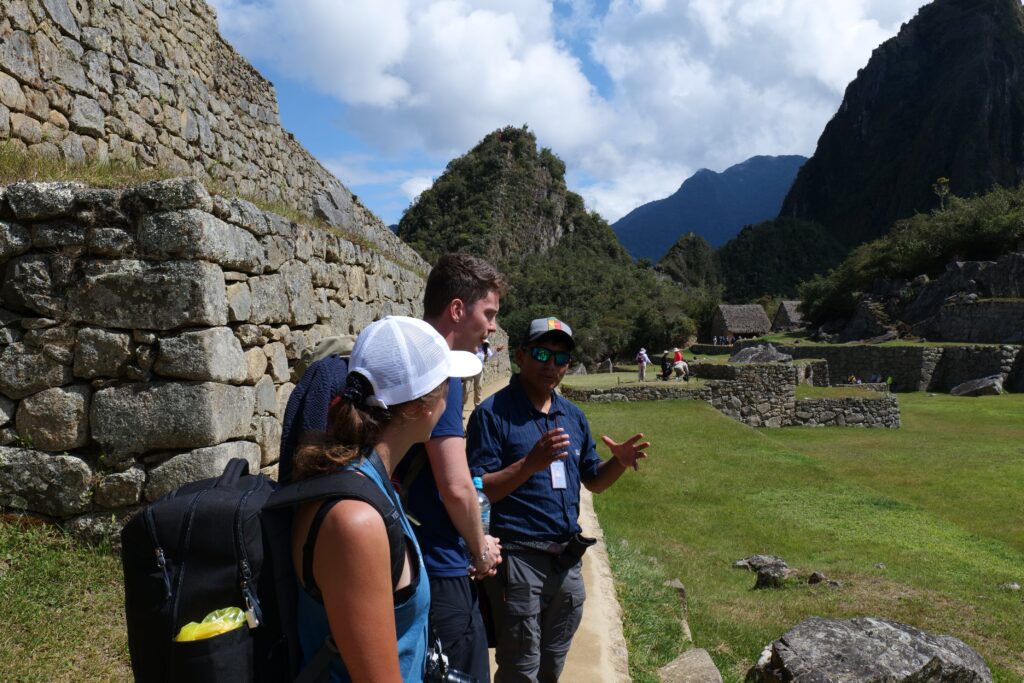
(444, 551)
(502, 430)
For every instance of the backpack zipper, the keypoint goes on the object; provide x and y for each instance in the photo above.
(253, 611)
(184, 546)
(161, 560)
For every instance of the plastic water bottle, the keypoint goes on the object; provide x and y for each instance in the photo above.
(485, 504)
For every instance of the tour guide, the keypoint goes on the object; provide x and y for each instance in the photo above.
(533, 449)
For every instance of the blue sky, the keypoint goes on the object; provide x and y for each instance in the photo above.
(634, 95)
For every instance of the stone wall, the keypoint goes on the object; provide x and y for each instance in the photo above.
(759, 395)
(153, 82)
(883, 412)
(983, 321)
(913, 368)
(148, 335)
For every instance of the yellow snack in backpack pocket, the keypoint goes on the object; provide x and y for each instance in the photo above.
(213, 624)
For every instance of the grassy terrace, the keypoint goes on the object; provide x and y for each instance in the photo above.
(938, 502)
(801, 339)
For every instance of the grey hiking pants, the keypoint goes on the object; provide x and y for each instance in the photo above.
(536, 609)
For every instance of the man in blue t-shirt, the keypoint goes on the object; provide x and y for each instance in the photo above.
(534, 449)
(461, 301)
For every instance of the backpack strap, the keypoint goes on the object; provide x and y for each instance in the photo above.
(337, 486)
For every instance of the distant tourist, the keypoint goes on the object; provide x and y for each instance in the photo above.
(483, 352)
(643, 360)
(666, 366)
(533, 449)
(679, 365)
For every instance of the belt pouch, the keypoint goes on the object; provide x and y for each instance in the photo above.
(573, 552)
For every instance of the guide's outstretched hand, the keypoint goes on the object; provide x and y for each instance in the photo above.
(629, 451)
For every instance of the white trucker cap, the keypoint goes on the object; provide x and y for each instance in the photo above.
(406, 358)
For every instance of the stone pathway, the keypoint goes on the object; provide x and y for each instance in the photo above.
(598, 652)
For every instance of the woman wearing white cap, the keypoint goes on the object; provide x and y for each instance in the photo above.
(394, 395)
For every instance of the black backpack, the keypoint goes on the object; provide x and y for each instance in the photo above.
(226, 542)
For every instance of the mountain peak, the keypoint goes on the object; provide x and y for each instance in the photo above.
(713, 205)
(943, 98)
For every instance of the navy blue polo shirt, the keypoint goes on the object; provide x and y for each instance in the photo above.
(444, 551)
(502, 430)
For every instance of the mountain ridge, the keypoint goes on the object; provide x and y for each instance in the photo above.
(714, 205)
(944, 98)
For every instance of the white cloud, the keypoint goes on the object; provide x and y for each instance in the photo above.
(414, 187)
(691, 83)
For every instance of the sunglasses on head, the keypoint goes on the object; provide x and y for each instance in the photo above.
(542, 354)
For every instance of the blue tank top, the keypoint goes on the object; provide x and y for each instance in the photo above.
(410, 615)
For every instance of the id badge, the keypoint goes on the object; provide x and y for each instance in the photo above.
(558, 474)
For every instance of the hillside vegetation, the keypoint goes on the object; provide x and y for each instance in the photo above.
(506, 201)
(980, 228)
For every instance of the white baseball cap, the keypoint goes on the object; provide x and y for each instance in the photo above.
(406, 358)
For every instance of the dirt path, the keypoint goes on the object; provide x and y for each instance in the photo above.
(598, 653)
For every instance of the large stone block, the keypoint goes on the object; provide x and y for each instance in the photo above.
(15, 239)
(193, 234)
(268, 300)
(17, 57)
(278, 359)
(100, 353)
(151, 296)
(201, 463)
(55, 419)
(268, 437)
(37, 283)
(56, 485)
(36, 201)
(168, 195)
(87, 116)
(137, 418)
(256, 365)
(302, 302)
(266, 396)
(239, 302)
(7, 409)
(120, 489)
(25, 371)
(242, 213)
(867, 649)
(213, 354)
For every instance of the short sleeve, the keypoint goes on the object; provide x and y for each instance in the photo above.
(483, 443)
(450, 423)
(590, 461)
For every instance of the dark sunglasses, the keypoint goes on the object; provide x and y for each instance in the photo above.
(541, 355)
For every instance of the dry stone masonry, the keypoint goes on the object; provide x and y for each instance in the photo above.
(758, 395)
(147, 336)
(915, 367)
(152, 82)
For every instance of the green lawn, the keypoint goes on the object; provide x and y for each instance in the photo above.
(607, 380)
(62, 608)
(938, 502)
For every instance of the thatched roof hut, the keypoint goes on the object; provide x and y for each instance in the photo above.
(746, 319)
(788, 317)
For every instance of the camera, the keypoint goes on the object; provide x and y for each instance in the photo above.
(438, 670)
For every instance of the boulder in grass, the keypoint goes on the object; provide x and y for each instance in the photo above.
(764, 353)
(757, 562)
(986, 386)
(693, 666)
(867, 650)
